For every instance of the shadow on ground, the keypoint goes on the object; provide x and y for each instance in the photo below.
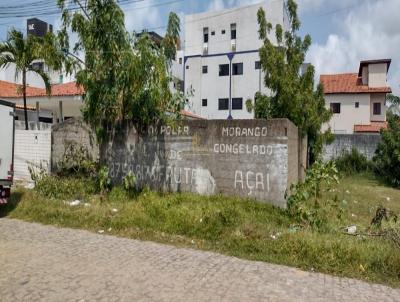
(13, 202)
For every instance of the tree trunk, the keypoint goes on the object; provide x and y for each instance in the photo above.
(24, 95)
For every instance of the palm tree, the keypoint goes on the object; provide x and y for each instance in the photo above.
(23, 52)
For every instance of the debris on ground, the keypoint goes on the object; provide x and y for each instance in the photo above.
(74, 203)
(30, 186)
(114, 210)
(351, 229)
(100, 231)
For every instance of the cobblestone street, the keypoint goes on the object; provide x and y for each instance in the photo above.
(44, 263)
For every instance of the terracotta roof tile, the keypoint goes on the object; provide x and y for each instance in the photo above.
(373, 127)
(19, 106)
(348, 83)
(191, 115)
(66, 89)
(12, 90)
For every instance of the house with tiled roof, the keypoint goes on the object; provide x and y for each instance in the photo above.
(357, 100)
(65, 100)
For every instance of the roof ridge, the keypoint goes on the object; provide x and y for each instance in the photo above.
(336, 74)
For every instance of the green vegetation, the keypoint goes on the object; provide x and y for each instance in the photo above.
(306, 204)
(125, 76)
(353, 162)
(231, 226)
(23, 52)
(387, 156)
(394, 102)
(293, 93)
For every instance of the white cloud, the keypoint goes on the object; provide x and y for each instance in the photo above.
(222, 4)
(369, 31)
(316, 5)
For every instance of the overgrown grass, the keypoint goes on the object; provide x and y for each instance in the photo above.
(233, 226)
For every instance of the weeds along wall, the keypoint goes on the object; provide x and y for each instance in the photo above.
(72, 132)
(365, 144)
(249, 158)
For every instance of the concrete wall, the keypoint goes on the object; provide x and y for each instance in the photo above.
(377, 75)
(248, 158)
(71, 105)
(245, 18)
(378, 98)
(72, 131)
(349, 116)
(211, 86)
(32, 148)
(20, 125)
(365, 143)
(8, 74)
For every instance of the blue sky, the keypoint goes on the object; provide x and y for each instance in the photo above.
(343, 31)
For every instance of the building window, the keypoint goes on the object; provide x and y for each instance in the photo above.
(38, 66)
(223, 31)
(233, 31)
(237, 104)
(223, 104)
(205, 34)
(205, 69)
(335, 107)
(223, 70)
(180, 60)
(204, 102)
(357, 104)
(257, 65)
(377, 108)
(187, 66)
(213, 33)
(237, 68)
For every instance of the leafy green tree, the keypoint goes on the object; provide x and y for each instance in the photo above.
(171, 42)
(24, 51)
(125, 77)
(387, 155)
(394, 101)
(293, 94)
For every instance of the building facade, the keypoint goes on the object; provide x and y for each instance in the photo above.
(221, 63)
(357, 100)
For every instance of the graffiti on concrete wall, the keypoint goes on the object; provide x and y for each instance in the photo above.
(207, 158)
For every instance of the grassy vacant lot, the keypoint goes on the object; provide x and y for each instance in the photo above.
(232, 226)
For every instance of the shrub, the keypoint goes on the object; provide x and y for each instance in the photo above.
(388, 224)
(103, 180)
(61, 187)
(76, 161)
(130, 182)
(352, 162)
(387, 155)
(305, 203)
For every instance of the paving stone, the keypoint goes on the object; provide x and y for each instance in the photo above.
(45, 263)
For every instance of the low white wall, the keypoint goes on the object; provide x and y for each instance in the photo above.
(32, 147)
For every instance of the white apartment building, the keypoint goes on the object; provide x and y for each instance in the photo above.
(357, 100)
(221, 62)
